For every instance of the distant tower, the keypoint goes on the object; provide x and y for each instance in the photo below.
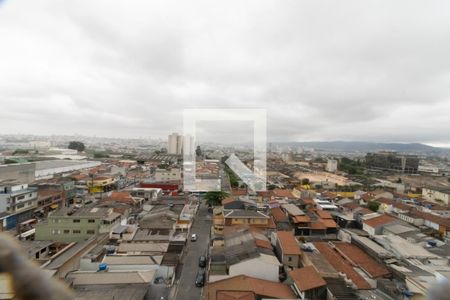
(175, 144)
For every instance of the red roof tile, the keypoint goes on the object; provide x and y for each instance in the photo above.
(329, 223)
(301, 219)
(307, 278)
(362, 259)
(379, 221)
(282, 193)
(323, 214)
(288, 243)
(278, 214)
(341, 265)
(243, 283)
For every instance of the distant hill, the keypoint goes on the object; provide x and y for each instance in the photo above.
(341, 146)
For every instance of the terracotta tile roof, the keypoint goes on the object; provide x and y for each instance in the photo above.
(120, 195)
(79, 177)
(364, 211)
(367, 196)
(301, 219)
(48, 193)
(265, 194)
(288, 243)
(243, 283)
(308, 201)
(318, 225)
(282, 193)
(307, 278)
(341, 265)
(329, 223)
(351, 205)
(323, 214)
(433, 218)
(263, 244)
(385, 201)
(229, 295)
(379, 221)
(238, 192)
(278, 215)
(362, 259)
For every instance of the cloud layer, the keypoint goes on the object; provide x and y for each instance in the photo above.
(324, 70)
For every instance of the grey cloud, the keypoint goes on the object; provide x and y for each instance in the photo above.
(327, 70)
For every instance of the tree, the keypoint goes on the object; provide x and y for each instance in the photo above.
(271, 187)
(215, 198)
(75, 145)
(198, 151)
(373, 205)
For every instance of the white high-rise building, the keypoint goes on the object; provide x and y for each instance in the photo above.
(332, 165)
(175, 144)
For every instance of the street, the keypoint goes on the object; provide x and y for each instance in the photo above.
(186, 288)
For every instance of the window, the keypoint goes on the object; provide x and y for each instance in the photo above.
(20, 197)
(76, 231)
(56, 231)
(20, 205)
(91, 221)
(76, 220)
(289, 258)
(90, 231)
(66, 231)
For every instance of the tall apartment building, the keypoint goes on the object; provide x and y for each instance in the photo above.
(176, 144)
(392, 161)
(332, 165)
(17, 203)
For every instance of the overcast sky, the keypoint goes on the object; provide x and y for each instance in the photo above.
(324, 70)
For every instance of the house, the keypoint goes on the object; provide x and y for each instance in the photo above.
(308, 284)
(353, 277)
(375, 225)
(247, 288)
(245, 251)
(249, 217)
(241, 202)
(288, 249)
(280, 218)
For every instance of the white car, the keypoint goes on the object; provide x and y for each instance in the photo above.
(193, 237)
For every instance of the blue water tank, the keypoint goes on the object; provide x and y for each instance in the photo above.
(102, 267)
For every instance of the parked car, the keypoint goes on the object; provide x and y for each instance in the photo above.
(202, 261)
(193, 237)
(200, 279)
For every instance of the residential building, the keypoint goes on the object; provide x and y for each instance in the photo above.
(288, 249)
(308, 284)
(375, 225)
(167, 174)
(17, 203)
(248, 217)
(248, 288)
(245, 251)
(74, 225)
(175, 144)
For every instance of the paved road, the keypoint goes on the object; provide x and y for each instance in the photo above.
(186, 288)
